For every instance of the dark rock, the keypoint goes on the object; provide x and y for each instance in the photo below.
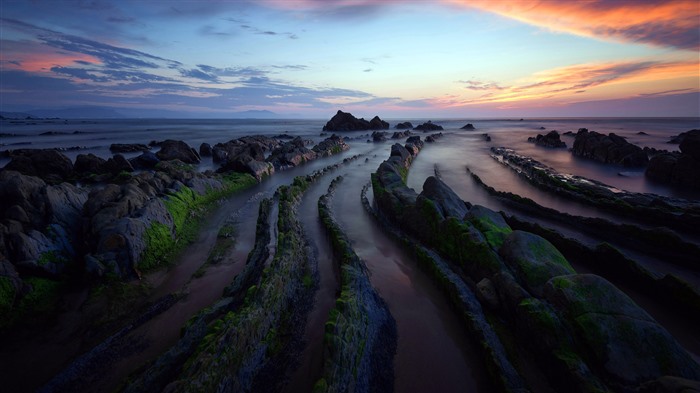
(610, 149)
(429, 126)
(568, 133)
(415, 140)
(48, 164)
(669, 384)
(549, 140)
(675, 168)
(534, 260)
(332, 145)
(128, 147)
(620, 336)
(379, 136)
(89, 163)
(117, 164)
(469, 127)
(400, 134)
(291, 154)
(405, 125)
(378, 124)
(679, 138)
(205, 150)
(147, 160)
(343, 121)
(642, 133)
(433, 137)
(487, 137)
(690, 144)
(448, 203)
(177, 150)
(284, 136)
(542, 128)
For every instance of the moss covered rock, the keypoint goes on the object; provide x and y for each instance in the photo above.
(491, 224)
(534, 260)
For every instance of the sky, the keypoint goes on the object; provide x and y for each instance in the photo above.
(392, 58)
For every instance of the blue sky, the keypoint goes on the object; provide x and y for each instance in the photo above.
(392, 58)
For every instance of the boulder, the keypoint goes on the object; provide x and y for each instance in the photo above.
(400, 134)
(26, 192)
(620, 337)
(117, 164)
(447, 202)
(128, 147)
(415, 140)
(343, 121)
(88, 163)
(690, 144)
(404, 126)
(676, 169)
(291, 154)
(378, 124)
(429, 126)
(205, 150)
(468, 126)
(610, 148)
(47, 164)
(679, 138)
(533, 260)
(147, 160)
(490, 223)
(177, 150)
(551, 139)
(331, 145)
(379, 136)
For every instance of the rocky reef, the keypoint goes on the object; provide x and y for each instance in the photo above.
(428, 126)
(609, 149)
(582, 332)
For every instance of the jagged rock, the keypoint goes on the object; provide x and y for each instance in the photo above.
(610, 148)
(448, 203)
(147, 160)
(405, 125)
(332, 145)
(469, 127)
(177, 150)
(291, 154)
(117, 164)
(679, 138)
(379, 136)
(428, 126)
(674, 168)
(400, 134)
(690, 144)
(433, 137)
(88, 163)
(254, 146)
(415, 140)
(534, 260)
(343, 121)
(549, 140)
(128, 147)
(47, 164)
(205, 150)
(378, 124)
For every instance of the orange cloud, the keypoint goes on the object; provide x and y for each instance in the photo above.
(665, 23)
(568, 82)
(32, 57)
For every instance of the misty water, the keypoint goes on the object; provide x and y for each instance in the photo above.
(431, 340)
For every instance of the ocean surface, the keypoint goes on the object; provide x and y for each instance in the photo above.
(459, 148)
(431, 340)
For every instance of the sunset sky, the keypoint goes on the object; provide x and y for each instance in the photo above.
(394, 58)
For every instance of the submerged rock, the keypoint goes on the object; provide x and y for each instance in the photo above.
(468, 127)
(128, 147)
(406, 125)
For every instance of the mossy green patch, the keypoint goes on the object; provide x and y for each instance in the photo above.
(160, 246)
(7, 296)
(51, 256)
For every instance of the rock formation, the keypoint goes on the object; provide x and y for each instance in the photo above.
(609, 149)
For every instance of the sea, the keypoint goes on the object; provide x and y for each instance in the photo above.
(431, 339)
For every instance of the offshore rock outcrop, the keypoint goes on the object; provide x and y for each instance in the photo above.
(331, 145)
(609, 149)
(573, 324)
(551, 139)
(428, 126)
(678, 168)
(345, 121)
(177, 150)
